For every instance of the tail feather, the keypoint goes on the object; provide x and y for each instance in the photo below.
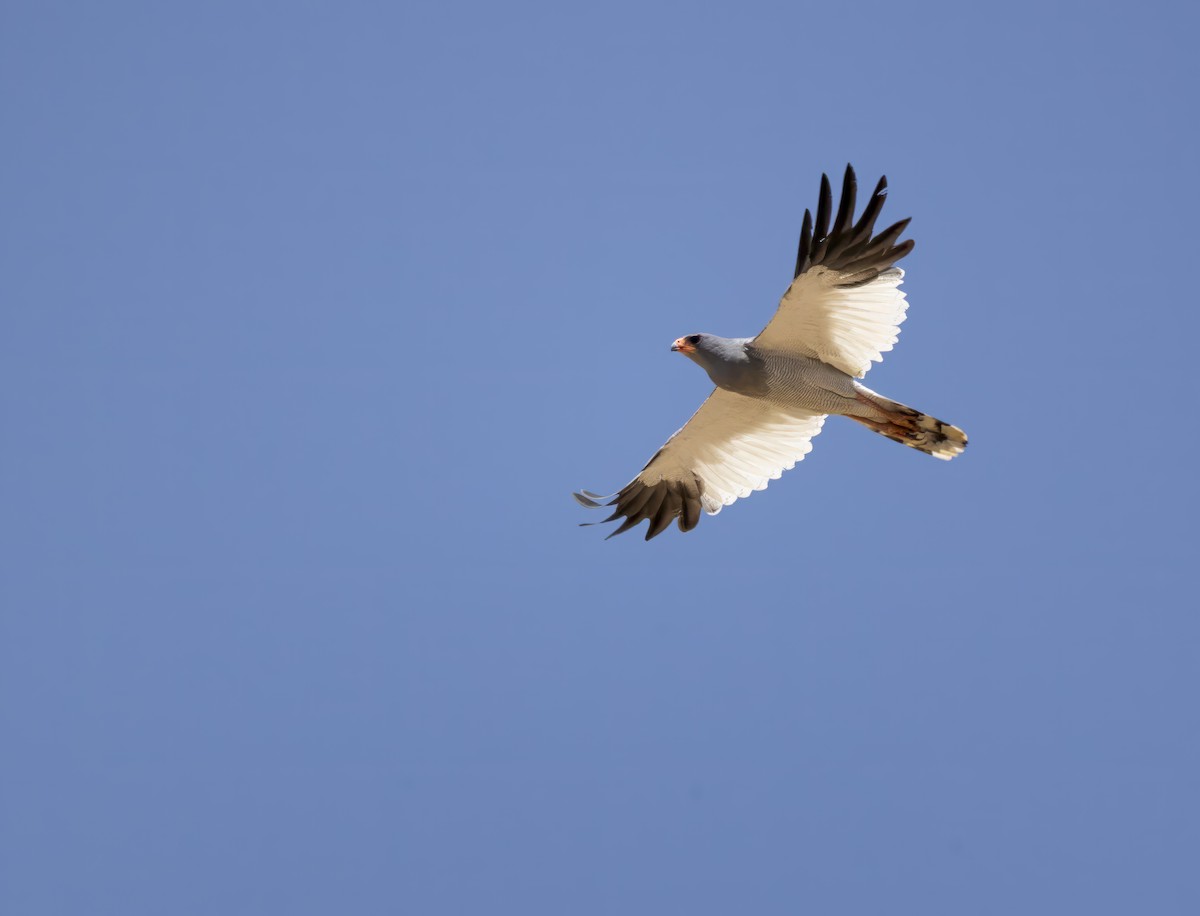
(910, 427)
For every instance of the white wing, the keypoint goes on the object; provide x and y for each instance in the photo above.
(844, 306)
(732, 446)
(847, 327)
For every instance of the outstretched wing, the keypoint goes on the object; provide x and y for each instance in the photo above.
(844, 306)
(730, 447)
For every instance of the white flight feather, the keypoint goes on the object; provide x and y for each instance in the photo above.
(846, 327)
(734, 445)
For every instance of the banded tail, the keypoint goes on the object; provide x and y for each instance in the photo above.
(910, 427)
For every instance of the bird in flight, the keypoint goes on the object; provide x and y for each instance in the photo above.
(774, 391)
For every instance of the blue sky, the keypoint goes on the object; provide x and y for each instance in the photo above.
(311, 317)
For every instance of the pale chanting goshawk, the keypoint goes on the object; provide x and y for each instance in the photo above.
(774, 391)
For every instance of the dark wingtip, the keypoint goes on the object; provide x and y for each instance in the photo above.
(824, 208)
(843, 245)
(845, 213)
(624, 526)
(805, 247)
(584, 498)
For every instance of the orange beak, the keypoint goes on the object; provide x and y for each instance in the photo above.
(682, 346)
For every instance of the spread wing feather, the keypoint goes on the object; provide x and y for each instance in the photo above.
(844, 306)
(732, 446)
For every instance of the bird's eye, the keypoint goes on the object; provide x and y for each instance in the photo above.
(694, 339)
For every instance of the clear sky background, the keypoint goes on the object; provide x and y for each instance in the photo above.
(313, 314)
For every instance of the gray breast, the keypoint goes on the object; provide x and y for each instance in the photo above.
(747, 377)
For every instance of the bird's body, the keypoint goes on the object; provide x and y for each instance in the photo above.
(774, 391)
(803, 385)
(780, 378)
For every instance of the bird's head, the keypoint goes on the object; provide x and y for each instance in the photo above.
(707, 349)
(727, 360)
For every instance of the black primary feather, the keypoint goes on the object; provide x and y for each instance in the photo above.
(849, 247)
(662, 503)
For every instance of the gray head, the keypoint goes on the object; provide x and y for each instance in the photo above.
(726, 360)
